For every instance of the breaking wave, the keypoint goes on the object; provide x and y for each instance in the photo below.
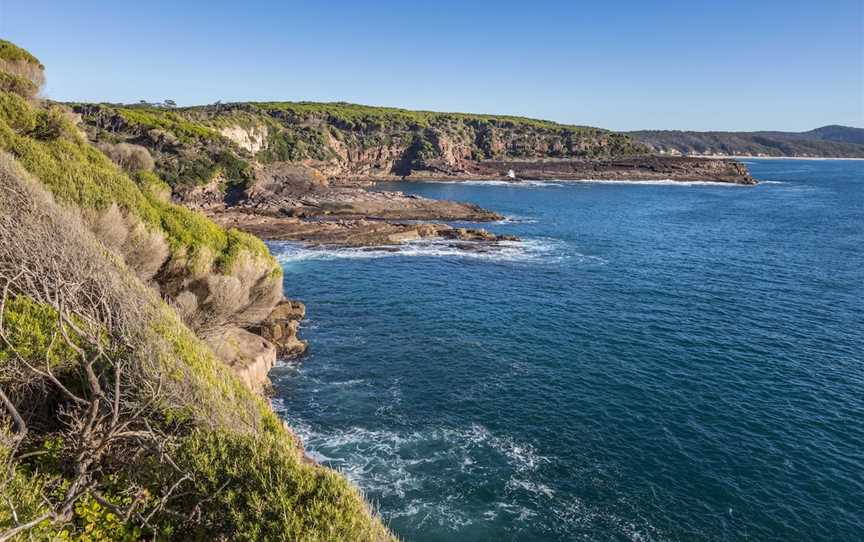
(655, 182)
(512, 184)
(542, 250)
(564, 182)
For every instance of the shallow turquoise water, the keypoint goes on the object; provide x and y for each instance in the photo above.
(655, 363)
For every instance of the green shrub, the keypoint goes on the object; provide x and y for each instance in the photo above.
(78, 173)
(17, 84)
(17, 113)
(51, 123)
(11, 52)
(270, 494)
(31, 328)
(26, 488)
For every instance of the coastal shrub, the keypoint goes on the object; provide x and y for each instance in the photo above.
(269, 493)
(10, 52)
(27, 489)
(17, 84)
(51, 123)
(31, 326)
(29, 69)
(131, 158)
(170, 121)
(241, 299)
(109, 226)
(208, 458)
(79, 174)
(17, 113)
(145, 252)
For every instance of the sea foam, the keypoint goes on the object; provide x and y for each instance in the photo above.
(530, 250)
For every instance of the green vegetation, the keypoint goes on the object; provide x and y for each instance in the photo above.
(354, 116)
(32, 328)
(270, 491)
(296, 145)
(189, 147)
(17, 84)
(11, 52)
(117, 421)
(169, 120)
(47, 145)
(828, 141)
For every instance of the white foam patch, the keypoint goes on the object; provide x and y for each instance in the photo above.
(515, 219)
(390, 463)
(529, 250)
(655, 182)
(564, 182)
(511, 184)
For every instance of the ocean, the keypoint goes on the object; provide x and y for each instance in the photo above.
(655, 361)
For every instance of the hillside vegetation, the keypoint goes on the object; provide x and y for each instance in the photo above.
(196, 145)
(828, 141)
(117, 421)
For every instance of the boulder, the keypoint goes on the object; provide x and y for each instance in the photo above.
(250, 356)
(280, 328)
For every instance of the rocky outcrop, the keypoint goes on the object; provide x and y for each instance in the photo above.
(342, 232)
(301, 192)
(280, 328)
(251, 139)
(249, 356)
(342, 141)
(252, 353)
(635, 168)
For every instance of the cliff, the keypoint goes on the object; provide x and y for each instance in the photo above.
(299, 171)
(824, 142)
(340, 141)
(128, 367)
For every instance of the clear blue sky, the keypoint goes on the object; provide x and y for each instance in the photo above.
(724, 65)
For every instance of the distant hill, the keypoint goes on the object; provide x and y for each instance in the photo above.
(828, 141)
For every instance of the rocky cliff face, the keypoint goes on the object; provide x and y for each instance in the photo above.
(193, 146)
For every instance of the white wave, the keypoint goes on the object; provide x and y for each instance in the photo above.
(389, 464)
(515, 219)
(512, 184)
(564, 182)
(772, 182)
(529, 250)
(529, 486)
(654, 182)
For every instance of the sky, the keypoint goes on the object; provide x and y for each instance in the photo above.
(674, 64)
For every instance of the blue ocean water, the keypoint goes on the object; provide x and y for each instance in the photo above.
(655, 362)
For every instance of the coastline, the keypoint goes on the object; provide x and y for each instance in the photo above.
(750, 157)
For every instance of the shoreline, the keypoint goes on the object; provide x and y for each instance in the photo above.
(749, 157)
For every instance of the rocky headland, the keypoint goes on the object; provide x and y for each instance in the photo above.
(306, 171)
(826, 142)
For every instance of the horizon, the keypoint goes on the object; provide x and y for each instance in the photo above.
(739, 68)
